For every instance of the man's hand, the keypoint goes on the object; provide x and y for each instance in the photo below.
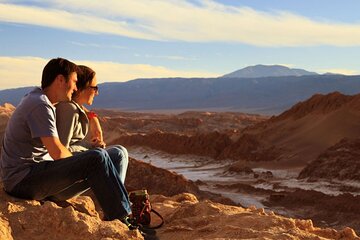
(55, 148)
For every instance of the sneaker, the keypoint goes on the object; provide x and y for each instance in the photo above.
(141, 227)
(147, 233)
(148, 236)
(146, 230)
(126, 221)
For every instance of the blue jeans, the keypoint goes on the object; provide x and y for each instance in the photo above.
(120, 158)
(69, 176)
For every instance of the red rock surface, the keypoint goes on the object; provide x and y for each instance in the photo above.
(342, 210)
(203, 144)
(189, 219)
(185, 218)
(5, 112)
(341, 162)
(318, 103)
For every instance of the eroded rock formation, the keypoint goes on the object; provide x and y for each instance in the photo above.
(339, 162)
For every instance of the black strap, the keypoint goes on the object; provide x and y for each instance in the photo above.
(162, 220)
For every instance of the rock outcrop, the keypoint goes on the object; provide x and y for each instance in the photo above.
(20, 220)
(341, 162)
(185, 218)
(5, 112)
(203, 144)
(327, 210)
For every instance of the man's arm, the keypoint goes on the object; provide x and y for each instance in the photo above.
(55, 148)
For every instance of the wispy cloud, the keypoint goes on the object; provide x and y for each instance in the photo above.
(56, 18)
(172, 20)
(170, 57)
(181, 58)
(96, 45)
(26, 71)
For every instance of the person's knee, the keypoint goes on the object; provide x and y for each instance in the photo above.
(99, 156)
(122, 152)
(125, 156)
(122, 149)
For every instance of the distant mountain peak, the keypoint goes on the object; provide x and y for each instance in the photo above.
(260, 70)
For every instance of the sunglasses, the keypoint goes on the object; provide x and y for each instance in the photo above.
(95, 88)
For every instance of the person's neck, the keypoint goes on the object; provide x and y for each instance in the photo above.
(78, 101)
(51, 95)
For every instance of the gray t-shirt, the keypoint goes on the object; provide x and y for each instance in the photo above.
(72, 125)
(33, 118)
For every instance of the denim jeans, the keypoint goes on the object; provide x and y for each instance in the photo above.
(93, 168)
(120, 158)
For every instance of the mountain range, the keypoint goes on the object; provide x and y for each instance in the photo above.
(265, 90)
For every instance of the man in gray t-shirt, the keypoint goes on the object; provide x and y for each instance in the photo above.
(22, 146)
(35, 165)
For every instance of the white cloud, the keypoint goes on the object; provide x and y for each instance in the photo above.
(66, 20)
(26, 71)
(184, 21)
(20, 71)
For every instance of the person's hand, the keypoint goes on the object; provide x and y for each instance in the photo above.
(96, 142)
(95, 130)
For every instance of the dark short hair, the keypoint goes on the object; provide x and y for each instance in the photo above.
(85, 75)
(55, 67)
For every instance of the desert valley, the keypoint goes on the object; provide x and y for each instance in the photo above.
(224, 175)
(287, 167)
(302, 163)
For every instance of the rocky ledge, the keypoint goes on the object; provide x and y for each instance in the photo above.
(185, 218)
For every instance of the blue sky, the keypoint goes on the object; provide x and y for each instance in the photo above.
(127, 39)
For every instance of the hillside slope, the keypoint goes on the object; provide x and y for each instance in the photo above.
(300, 134)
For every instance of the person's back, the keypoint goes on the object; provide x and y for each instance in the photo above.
(22, 146)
